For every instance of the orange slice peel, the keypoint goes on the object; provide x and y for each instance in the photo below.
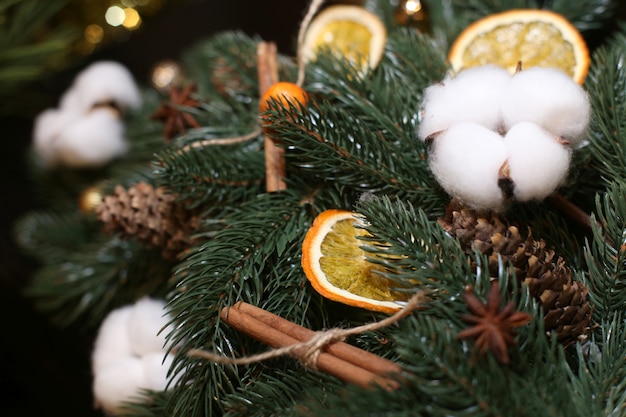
(533, 37)
(337, 267)
(349, 31)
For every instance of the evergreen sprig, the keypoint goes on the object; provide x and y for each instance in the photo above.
(239, 264)
(29, 47)
(606, 253)
(607, 87)
(600, 376)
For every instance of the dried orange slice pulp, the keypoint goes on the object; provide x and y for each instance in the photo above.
(351, 31)
(337, 267)
(534, 37)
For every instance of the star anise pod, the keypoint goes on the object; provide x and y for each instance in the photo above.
(172, 112)
(493, 328)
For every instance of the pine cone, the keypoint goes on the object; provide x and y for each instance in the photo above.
(567, 311)
(151, 216)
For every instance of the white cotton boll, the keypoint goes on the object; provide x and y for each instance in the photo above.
(118, 383)
(105, 81)
(147, 326)
(549, 98)
(538, 163)
(47, 127)
(71, 101)
(92, 141)
(474, 95)
(465, 160)
(112, 342)
(155, 367)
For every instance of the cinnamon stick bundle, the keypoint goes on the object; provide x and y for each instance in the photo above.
(340, 359)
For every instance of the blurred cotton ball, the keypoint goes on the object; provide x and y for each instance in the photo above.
(538, 164)
(104, 82)
(48, 126)
(112, 341)
(474, 95)
(550, 98)
(92, 141)
(128, 355)
(155, 367)
(465, 160)
(118, 383)
(70, 102)
(146, 326)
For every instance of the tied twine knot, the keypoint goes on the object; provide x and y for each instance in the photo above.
(316, 344)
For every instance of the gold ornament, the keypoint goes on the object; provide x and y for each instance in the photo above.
(413, 13)
(90, 198)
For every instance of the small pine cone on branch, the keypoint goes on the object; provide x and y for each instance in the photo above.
(567, 312)
(151, 216)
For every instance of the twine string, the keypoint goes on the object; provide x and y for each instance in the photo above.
(312, 10)
(308, 352)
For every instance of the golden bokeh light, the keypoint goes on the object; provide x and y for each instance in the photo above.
(132, 20)
(94, 33)
(165, 74)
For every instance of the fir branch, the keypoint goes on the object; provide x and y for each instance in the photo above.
(600, 377)
(607, 86)
(28, 46)
(585, 15)
(225, 174)
(414, 249)
(47, 235)
(411, 59)
(278, 394)
(81, 288)
(254, 259)
(606, 253)
(349, 153)
(230, 60)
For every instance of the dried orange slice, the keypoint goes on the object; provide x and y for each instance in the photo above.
(534, 37)
(337, 267)
(350, 31)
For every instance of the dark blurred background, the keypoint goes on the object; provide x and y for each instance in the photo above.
(45, 370)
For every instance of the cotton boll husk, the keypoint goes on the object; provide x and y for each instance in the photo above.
(147, 326)
(474, 95)
(92, 141)
(465, 160)
(47, 127)
(538, 163)
(156, 366)
(118, 383)
(112, 342)
(549, 98)
(106, 81)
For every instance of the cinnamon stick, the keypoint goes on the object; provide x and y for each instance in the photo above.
(326, 362)
(345, 351)
(267, 68)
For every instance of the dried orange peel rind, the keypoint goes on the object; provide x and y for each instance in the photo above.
(533, 37)
(337, 267)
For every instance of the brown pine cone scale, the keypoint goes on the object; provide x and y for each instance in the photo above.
(150, 215)
(567, 312)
